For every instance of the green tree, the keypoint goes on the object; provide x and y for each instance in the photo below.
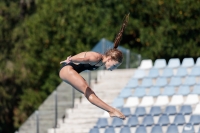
(166, 29)
(8, 81)
(12, 72)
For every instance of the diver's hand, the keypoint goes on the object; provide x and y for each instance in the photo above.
(68, 60)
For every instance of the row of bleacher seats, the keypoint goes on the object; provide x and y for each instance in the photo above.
(172, 128)
(157, 110)
(156, 91)
(149, 120)
(159, 98)
(173, 63)
(166, 73)
(160, 82)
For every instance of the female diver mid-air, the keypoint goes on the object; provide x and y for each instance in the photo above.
(73, 65)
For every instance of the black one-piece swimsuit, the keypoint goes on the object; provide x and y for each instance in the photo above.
(81, 67)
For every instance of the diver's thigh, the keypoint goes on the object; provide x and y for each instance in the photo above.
(71, 77)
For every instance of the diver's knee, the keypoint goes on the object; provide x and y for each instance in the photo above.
(88, 93)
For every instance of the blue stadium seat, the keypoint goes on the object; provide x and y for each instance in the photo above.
(117, 122)
(174, 63)
(188, 128)
(139, 92)
(110, 130)
(190, 80)
(154, 91)
(148, 120)
(168, 91)
(194, 119)
(139, 74)
(160, 63)
(195, 71)
(163, 120)
(118, 102)
(141, 129)
(102, 123)
(181, 72)
(153, 73)
(125, 130)
(125, 93)
(172, 129)
(183, 90)
(187, 62)
(132, 83)
(146, 82)
(126, 111)
(170, 110)
(140, 111)
(175, 81)
(185, 109)
(160, 82)
(132, 121)
(94, 130)
(167, 72)
(196, 89)
(179, 119)
(155, 111)
(156, 129)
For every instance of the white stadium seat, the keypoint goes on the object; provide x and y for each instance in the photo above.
(146, 64)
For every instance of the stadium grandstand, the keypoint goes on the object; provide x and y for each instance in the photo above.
(156, 97)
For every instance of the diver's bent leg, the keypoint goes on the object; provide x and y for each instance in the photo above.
(91, 96)
(81, 85)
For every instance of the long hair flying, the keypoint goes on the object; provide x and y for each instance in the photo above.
(119, 35)
(114, 53)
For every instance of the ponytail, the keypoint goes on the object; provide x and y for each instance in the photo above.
(114, 53)
(119, 35)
